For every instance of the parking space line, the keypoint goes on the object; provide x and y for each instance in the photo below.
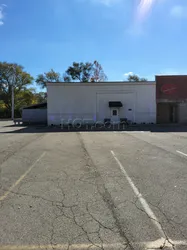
(181, 153)
(162, 242)
(146, 245)
(143, 202)
(63, 246)
(21, 178)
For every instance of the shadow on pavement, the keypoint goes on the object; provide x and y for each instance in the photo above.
(134, 128)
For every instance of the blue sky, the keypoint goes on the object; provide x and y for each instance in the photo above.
(122, 35)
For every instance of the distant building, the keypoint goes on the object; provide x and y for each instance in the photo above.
(98, 102)
(35, 114)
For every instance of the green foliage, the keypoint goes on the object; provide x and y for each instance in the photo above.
(143, 79)
(23, 98)
(78, 72)
(136, 78)
(40, 97)
(12, 75)
(50, 76)
(85, 72)
(98, 74)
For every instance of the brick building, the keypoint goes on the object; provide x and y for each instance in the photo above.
(171, 98)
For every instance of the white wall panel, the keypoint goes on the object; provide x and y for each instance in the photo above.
(90, 101)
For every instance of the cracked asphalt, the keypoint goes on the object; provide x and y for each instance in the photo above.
(65, 190)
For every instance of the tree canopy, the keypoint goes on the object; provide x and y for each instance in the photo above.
(85, 72)
(98, 74)
(12, 74)
(78, 72)
(50, 76)
(136, 78)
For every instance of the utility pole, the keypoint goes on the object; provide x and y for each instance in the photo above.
(12, 102)
(13, 83)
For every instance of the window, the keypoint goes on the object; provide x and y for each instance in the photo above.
(114, 112)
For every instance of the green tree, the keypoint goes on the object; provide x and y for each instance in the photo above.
(136, 78)
(50, 76)
(143, 79)
(12, 75)
(85, 72)
(98, 74)
(80, 72)
(40, 97)
(24, 98)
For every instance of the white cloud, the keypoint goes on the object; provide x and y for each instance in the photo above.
(142, 13)
(128, 74)
(1, 13)
(2, 6)
(144, 9)
(178, 11)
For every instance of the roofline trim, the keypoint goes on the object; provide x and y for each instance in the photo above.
(98, 83)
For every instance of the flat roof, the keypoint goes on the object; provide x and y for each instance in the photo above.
(36, 106)
(99, 83)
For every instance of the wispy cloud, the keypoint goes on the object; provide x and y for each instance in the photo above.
(169, 72)
(142, 12)
(128, 74)
(107, 3)
(144, 9)
(2, 6)
(178, 11)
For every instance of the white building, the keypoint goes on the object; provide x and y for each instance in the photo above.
(95, 102)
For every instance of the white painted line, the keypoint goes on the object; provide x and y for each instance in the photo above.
(21, 178)
(147, 245)
(130, 132)
(181, 153)
(180, 242)
(143, 202)
(63, 246)
(162, 242)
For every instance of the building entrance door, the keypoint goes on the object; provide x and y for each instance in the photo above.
(173, 113)
(167, 113)
(115, 115)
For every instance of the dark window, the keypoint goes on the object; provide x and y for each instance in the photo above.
(114, 112)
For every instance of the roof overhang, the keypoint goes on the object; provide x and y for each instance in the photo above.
(37, 106)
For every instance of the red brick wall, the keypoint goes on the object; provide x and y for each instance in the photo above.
(171, 88)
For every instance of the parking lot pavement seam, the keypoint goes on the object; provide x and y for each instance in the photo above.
(102, 190)
(60, 206)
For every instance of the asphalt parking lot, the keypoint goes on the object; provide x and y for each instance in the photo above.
(93, 190)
